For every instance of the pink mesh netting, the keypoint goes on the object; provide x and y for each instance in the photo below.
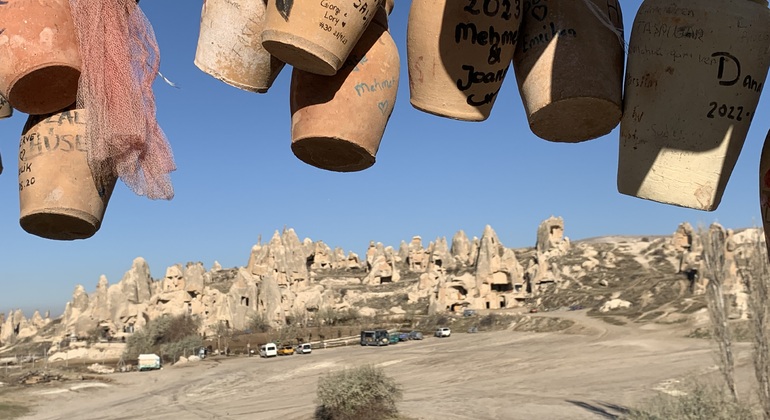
(120, 62)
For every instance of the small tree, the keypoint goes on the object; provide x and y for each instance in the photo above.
(714, 264)
(258, 322)
(364, 392)
(754, 270)
(160, 333)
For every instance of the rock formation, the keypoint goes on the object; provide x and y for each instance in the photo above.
(287, 279)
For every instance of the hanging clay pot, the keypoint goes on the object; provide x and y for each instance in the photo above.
(459, 53)
(316, 36)
(695, 72)
(230, 45)
(58, 195)
(569, 67)
(337, 122)
(6, 110)
(764, 189)
(39, 57)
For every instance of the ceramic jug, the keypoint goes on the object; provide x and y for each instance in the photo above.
(39, 56)
(316, 36)
(230, 45)
(338, 121)
(58, 195)
(569, 67)
(458, 54)
(693, 81)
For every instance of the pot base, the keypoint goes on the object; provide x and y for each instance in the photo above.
(333, 154)
(60, 224)
(45, 90)
(589, 118)
(300, 53)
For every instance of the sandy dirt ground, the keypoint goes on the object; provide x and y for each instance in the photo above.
(591, 371)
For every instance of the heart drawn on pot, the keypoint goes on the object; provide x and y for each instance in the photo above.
(539, 12)
(383, 106)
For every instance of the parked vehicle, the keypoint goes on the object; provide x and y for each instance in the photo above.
(374, 338)
(148, 362)
(443, 332)
(469, 312)
(268, 350)
(394, 338)
(403, 336)
(304, 348)
(415, 335)
(286, 350)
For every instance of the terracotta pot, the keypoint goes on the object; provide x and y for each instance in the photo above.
(459, 53)
(569, 67)
(58, 195)
(230, 45)
(6, 110)
(316, 36)
(692, 87)
(39, 57)
(337, 122)
(764, 189)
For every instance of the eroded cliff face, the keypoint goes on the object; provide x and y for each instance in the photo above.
(288, 279)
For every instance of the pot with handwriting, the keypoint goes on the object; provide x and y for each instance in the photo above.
(693, 81)
(459, 53)
(39, 56)
(337, 122)
(569, 67)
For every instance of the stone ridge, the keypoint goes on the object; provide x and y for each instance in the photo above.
(287, 279)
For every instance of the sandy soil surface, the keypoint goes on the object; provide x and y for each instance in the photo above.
(591, 371)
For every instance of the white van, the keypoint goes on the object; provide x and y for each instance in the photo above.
(268, 350)
(304, 348)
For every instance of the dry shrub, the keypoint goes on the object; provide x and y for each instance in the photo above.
(699, 402)
(365, 392)
(170, 333)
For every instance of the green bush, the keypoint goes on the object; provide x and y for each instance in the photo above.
(364, 392)
(699, 402)
(165, 332)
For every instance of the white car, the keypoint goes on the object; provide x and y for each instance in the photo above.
(443, 332)
(304, 348)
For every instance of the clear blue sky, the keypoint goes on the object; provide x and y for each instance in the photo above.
(237, 178)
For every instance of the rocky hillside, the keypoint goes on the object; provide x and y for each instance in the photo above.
(293, 280)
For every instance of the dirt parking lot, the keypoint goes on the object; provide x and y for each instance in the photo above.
(590, 371)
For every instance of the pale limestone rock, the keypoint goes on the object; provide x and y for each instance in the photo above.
(397, 310)
(684, 238)
(137, 282)
(367, 312)
(323, 258)
(461, 249)
(383, 267)
(615, 303)
(216, 266)
(403, 251)
(440, 257)
(418, 257)
(370, 253)
(100, 369)
(195, 278)
(174, 279)
(353, 262)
